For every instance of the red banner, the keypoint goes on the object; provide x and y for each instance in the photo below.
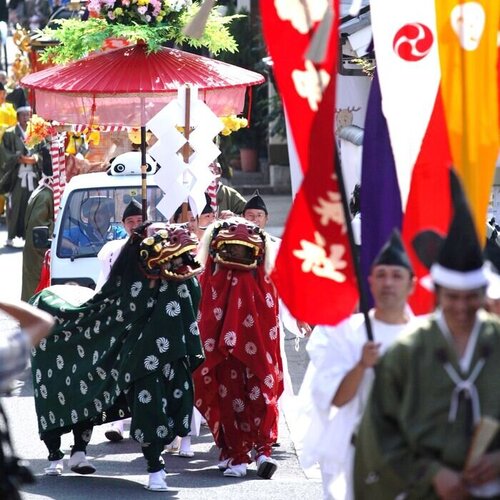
(314, 271)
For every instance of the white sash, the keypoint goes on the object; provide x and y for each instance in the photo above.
(27, 176)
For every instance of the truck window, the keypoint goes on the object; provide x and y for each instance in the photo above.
(92, 217)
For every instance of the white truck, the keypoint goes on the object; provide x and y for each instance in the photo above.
(108, 192)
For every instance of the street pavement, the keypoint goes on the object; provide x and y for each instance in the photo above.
(121, 471)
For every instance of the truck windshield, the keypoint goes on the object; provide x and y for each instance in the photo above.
(92, 217)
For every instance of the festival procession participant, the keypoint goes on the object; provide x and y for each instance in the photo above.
(23, 174)
(39, 212)
(197, 224)
(238, 386)
(131, 219)
(228, 202)
(256, 211)
(127, 350)
(206, 217)
(341, 373)
(433, 387)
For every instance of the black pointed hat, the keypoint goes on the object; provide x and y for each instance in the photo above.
(460, 264)
(256, 202)
(132, 209)
(393, 253)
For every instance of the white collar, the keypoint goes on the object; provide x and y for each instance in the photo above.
(465, 360)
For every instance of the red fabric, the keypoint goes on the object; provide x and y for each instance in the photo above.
(429, 189)
(314, 257)
(44, 273)
(238, 385)
(102, 88)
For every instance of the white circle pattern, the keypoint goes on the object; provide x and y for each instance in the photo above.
(250, 348)
(230, 338)
(151, 362)
(173, 308)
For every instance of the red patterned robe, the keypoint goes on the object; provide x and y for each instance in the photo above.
(238, 385)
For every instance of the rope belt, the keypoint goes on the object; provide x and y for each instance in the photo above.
(465, 387)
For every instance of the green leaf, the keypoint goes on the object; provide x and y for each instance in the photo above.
(79, 38)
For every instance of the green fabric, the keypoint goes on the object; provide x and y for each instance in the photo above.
(229, 199)
(130, 339)
(405, 436)
(39, 212)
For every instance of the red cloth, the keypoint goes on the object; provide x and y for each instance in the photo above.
(44, 273)
(238, 386)
(430, 181)
(315, 256)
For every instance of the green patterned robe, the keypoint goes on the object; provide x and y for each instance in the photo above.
(405, 436)
(129, 339)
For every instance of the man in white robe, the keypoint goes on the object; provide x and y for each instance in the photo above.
(132, 218)
(340, 373)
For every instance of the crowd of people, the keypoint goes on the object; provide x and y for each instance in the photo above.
(371, 427)
(249, 308)
(395, 415)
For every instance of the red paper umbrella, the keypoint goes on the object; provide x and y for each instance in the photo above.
(128, 86)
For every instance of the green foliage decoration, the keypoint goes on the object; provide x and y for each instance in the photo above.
(79, 38)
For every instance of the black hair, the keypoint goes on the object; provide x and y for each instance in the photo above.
(355, 200)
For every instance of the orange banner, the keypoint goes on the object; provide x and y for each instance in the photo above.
(467, 37)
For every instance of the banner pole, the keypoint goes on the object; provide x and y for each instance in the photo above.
(363, 301)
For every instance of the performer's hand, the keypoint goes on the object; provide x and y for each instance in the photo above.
(304, 328)
(449, 485)
(370, 354)
(486, 469)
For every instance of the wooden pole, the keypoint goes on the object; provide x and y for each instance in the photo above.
(363, 302)
(144, 182)
(186, 153)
